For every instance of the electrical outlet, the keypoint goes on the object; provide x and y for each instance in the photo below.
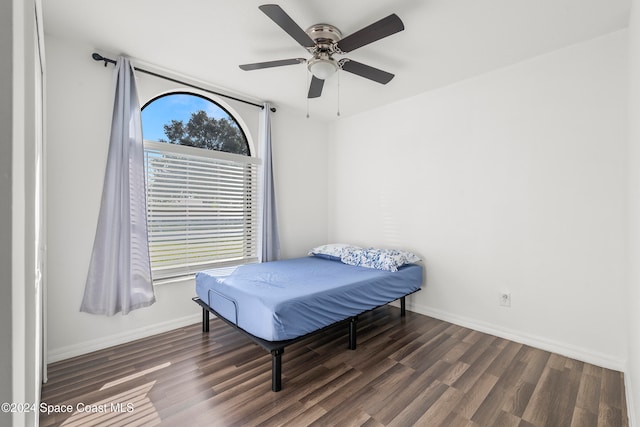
(505, 299)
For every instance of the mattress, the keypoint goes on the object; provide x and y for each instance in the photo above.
(285, 299)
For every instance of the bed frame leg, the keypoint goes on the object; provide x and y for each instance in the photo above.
(403, 307)
(276, 369)
(205, 320)
(352, 332)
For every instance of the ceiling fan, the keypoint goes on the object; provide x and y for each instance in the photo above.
(323, 41)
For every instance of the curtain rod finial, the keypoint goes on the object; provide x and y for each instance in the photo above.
(98, 57)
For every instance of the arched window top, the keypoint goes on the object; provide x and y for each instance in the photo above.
(189, 119)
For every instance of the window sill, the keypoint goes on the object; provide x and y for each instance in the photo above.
(171, 280)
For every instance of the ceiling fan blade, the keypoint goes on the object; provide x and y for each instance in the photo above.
(315, 88)
(376, 31)
(269, 64)
(366, 71)
(285, 22)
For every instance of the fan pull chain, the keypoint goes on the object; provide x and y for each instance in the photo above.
(338, 73)
(306, 86)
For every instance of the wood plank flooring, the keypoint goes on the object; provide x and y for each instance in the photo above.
(406, 371)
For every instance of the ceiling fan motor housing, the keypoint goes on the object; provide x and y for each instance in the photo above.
(325, 37)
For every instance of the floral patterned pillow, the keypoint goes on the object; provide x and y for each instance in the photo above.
(381, 259)
(331, 251)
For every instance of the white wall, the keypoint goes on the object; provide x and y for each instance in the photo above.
(80, 100)
(633, 370)
(6, 148)
(515, 181)
(19, 124)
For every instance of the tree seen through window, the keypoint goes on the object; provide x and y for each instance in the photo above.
(192, 120)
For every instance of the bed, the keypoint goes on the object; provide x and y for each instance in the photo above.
(278, 303)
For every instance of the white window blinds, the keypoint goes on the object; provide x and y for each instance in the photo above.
(202, 209)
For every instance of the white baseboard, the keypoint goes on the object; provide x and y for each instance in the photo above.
(74, 350)
(564, 349)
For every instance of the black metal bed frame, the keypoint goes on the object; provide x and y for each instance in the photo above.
(276, 348)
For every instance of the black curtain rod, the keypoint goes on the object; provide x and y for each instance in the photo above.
(98, 57)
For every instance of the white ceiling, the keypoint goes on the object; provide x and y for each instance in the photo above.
(444, 41)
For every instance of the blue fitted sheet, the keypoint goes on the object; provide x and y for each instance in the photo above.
(282, 300)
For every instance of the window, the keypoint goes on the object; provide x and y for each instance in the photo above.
(201, 187)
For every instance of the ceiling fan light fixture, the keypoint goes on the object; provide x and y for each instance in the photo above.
(323, 68)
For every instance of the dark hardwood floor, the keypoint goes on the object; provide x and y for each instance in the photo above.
(406, 371)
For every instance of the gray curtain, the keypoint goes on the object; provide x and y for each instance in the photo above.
(119, 278)
(270, 250)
